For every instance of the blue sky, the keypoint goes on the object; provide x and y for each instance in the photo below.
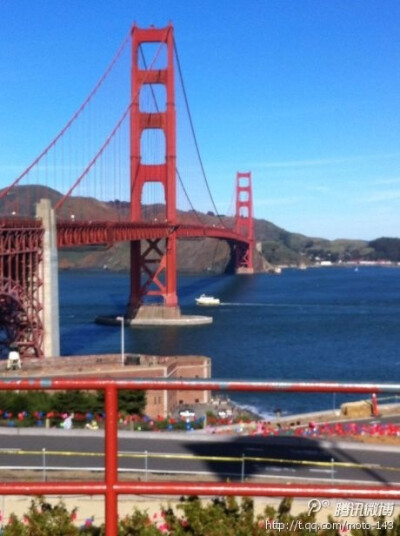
(303, 93)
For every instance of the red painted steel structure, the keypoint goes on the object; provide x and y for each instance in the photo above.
(112, 487)
(78, 233)
(157, 262)
(21, 286)
(244, 224)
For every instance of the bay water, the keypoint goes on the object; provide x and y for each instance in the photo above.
(331, 323)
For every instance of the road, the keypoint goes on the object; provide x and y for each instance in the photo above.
(235, 457)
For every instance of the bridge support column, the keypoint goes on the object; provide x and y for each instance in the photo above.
(244, 260)
(135, 298)
(153, 274)
(156, 263)
(51, 321)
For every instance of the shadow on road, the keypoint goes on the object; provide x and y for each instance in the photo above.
(247, 457)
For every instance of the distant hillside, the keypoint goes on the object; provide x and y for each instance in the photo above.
(385, 248)
(276, 246)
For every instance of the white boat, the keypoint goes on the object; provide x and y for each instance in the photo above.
(207, 300)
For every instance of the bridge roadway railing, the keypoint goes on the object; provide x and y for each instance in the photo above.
(111, 487)
(78, 233)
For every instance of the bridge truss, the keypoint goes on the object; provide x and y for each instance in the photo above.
(21, 287)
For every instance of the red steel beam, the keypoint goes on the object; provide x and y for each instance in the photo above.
(202, 489)
(91, 383)
(111, 458)
(19, 223)
(53, 488)
(258, 490)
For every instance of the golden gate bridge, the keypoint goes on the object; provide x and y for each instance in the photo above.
(112, 175)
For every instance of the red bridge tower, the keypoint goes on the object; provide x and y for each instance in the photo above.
(157, 261)
(244, 222)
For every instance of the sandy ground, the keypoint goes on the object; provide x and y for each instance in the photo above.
(94, 506)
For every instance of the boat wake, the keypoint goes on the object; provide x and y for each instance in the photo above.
(240, 304)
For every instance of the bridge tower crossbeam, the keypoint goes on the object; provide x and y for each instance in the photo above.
(157, 262)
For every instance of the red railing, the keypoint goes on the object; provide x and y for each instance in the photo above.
(111, 487)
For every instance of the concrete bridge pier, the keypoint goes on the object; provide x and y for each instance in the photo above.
(162, 315)
(51, 316)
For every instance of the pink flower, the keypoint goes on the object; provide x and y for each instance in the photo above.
(89, 521)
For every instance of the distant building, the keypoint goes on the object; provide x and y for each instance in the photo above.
(161, 403)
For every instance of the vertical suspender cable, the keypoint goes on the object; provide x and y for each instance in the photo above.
(194, 135)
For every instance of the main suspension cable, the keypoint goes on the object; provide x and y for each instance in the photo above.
(105, 144)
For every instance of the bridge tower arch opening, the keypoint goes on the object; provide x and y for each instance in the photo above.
(153, 267)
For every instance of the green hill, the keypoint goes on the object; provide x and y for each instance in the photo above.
(275, 246)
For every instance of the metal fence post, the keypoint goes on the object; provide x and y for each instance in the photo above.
(111, 459)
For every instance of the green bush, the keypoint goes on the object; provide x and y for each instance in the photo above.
(79, 402)
(76, 401)
(192, 517)
(42, 519)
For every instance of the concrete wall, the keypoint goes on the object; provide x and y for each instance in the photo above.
(51, 321)
(189, 367)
